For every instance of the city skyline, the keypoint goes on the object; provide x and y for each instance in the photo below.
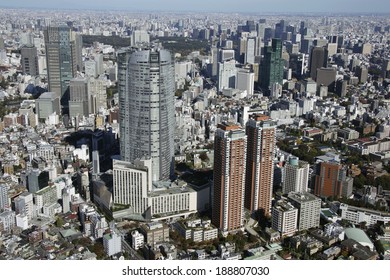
(229, 6)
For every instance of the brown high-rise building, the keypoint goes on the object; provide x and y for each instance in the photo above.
(328, 181)
(229, 178)
(259, 163)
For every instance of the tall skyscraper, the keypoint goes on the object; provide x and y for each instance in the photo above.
(146, 101)
(29, 60)
(296, 176)
(259, 163)
(61, 60)
(229, 178)
(272, 66)
(318, 59)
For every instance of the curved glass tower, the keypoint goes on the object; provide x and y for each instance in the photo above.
(146, 100)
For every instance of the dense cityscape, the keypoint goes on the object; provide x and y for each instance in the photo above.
(194, 136)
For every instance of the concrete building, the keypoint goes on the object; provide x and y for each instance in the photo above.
(261, 133)
(229, 178)
(4, 198)
(29, 60)
(112, 243)
(227, 72)
(137, 240)
(47, 104)
(245, 80)
(296, 176)
(78, 100)
(146, 101)
(155, 233)
(318, 59)
(284, 218)
(8, 220)
(24, 205)
(309, 209)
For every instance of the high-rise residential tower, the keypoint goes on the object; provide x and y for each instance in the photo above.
(259, 163)
(229, 178)
(61, 60)
(296, 176)
(146, 101)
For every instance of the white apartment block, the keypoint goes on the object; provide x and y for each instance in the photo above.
(284, 218)
(296, 176)
(137, 240)
(309, 209)
(112, 243)
(357, 215)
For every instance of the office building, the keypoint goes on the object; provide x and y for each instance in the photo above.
(327, 77)
(296, 176)
(309, 209)
(146, 102)
(61, 60)
(47, 104)
(284, 218)
(245, 80)
(272, 66)
(227, 72)
(260, 131)
(29, 60)
(318, 59)
(78, 99)
(229, 178)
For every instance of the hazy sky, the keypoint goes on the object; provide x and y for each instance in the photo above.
(256, 6)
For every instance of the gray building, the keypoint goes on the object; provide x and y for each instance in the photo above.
(29, 60)
(146, 101)
(309, 209)
(47, 104)
(79, 99)
(61, 60)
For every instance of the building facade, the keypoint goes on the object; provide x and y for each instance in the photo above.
(146, 100)
(259, 163)
(229, 178)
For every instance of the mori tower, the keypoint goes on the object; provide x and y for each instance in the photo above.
(146, 103)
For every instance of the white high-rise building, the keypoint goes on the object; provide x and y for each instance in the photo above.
(227, 72)
(284, 218)
(24, 205)
(134, 188)
(146, 100)
(250, 51)
(139, 37)
(309, 209)
(296, 176)
(112, 243)
(245, 80)
(132, 183)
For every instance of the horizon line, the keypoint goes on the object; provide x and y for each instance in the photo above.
(102, 9)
